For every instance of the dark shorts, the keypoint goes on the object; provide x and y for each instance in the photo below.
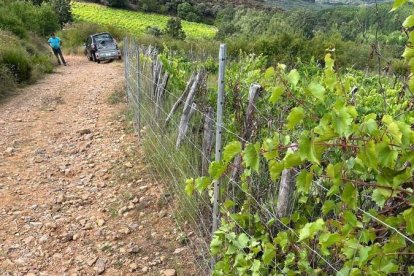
(56, 51)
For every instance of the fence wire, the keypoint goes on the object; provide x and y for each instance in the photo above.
(152, 103)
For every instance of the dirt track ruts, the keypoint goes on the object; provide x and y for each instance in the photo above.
(75, 195)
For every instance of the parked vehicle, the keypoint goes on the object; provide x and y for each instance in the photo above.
(100, 47)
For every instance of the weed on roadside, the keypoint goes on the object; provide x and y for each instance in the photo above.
(116, 97)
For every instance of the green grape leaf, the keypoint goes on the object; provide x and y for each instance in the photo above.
(269, 253)
(411, 83)
(276, 93)
(334, 172)
(282, 239)
(349, 195)
(380, 196)
(409, 220)
(255, 268)
(295, 117)
(317, 90)
(326, 240)
(386, 156)
(269, 74)
(293, 77)
(292, 159)
(395, 132)
(304, 181)
(328, 206)
(216, 245)
(409, 22)
(342, 121)
(217, 169)
(367, 236)
(231, 150)
(189, 186)
(350, 218)
(307, 148)
(397, 4)
(202, 183)
(275, 169)
(369, 126)
(251, 156)
(270, 148)
(394, 244)
(364, 254)
(243, 240)
(329, 62)
(369, 155)
(310, 229)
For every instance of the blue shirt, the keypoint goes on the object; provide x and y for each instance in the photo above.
(54, 42)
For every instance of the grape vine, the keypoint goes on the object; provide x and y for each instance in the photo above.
(353, 210)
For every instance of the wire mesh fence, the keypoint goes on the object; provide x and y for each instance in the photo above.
(173, 148)
(177, 124)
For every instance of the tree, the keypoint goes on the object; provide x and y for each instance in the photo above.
(63, 10)
(149, 5)
(188, 12)
(175, 29)
(117, 3)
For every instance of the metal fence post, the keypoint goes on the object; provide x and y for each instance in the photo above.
(126, 64)
(138, 112)
(220, 103)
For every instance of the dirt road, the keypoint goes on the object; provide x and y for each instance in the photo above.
(75, 197)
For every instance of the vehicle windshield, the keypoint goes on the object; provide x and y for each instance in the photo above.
(104, 39)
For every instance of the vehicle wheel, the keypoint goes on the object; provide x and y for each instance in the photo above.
(98, 61)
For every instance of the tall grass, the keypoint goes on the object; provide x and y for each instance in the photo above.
(24, 55)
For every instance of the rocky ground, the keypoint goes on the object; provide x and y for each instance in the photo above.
(76, 197)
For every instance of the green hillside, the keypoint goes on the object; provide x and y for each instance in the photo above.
(135, 22)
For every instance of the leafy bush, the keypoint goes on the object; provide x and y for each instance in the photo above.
(174, 29)
(154, 31)
(64, 11)
(18, 63)
(19, 16)
(7, 82)
(117, 3)
(188, 12)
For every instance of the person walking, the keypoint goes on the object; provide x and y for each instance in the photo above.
(55, 43)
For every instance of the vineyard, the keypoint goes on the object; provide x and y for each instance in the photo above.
(135, 23)
(316, 173)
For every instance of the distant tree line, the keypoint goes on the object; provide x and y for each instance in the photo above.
(305, 33)
(190, 10)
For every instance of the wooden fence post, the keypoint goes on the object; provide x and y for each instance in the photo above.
(180, 100)
(208, 136)
(188, 109)
(249, 122)
(286, 190)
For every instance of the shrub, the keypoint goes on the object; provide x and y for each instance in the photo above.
(188, 12)
(12, 23)
(174, 29)
(7, 82)
(18, 63)
(64, 11)
(19, 16)
(154, 31)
